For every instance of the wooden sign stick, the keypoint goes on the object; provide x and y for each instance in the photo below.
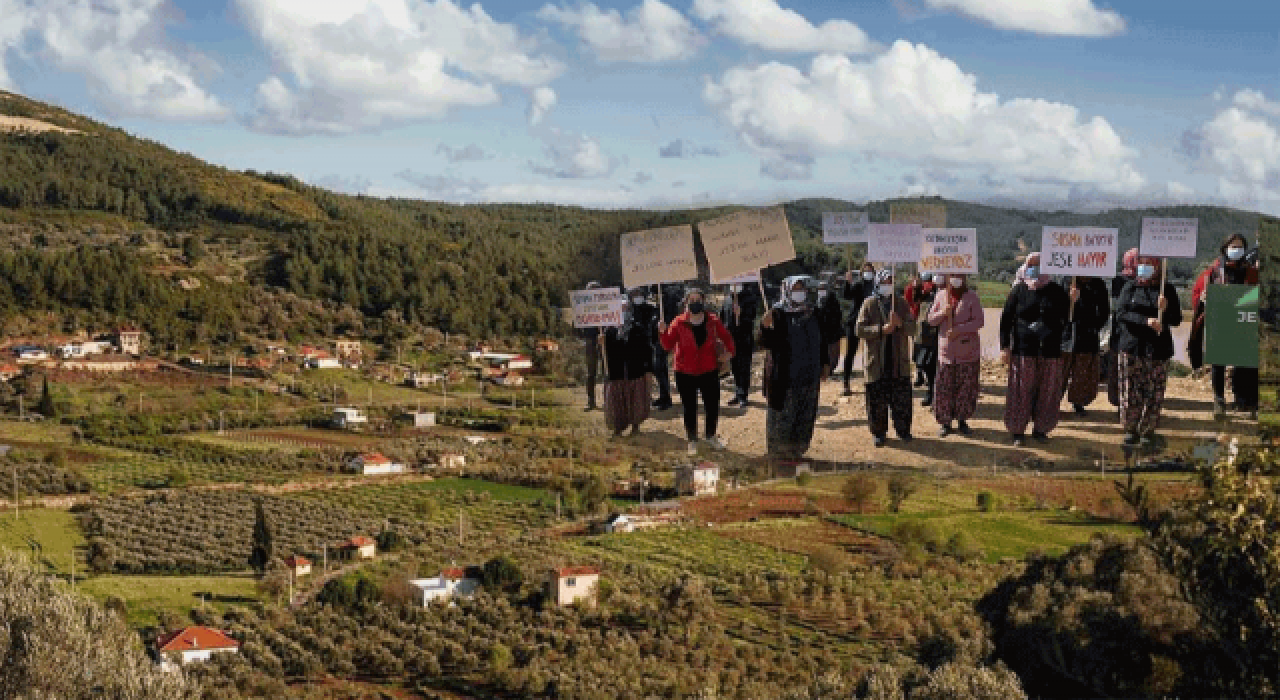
(1071, 314)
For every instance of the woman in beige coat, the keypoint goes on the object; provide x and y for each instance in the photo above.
(886, 325)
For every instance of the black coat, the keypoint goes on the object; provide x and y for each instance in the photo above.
(857, 291)
(829, 318)
(777, 341)
(1137, 305)
(1091, 314)
(1032, 322)
(629, 348)
(744, 325)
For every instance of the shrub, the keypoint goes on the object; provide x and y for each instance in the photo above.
(804, 478)
(829, 559)
(502, 573)
(986, 501)
(901, 487)
(914, 532)
(962, 547)
(860, 490)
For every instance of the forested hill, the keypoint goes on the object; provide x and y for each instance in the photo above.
(99, 226)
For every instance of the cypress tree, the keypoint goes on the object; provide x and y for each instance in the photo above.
(263, 548)
(47, 408)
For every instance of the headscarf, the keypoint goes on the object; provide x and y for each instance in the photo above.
(1129, 266)
(1244, 243)
(884, 276)
(956, 292)
(792, 306)
(1146, 260)
(1021, 277)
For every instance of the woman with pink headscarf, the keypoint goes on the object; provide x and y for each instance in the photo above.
(1031, 327)
(1145, 313)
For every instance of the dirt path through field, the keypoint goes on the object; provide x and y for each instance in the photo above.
(841, 434)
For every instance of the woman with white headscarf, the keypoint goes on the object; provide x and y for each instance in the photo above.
(798, 361)
(1031, 326)
(1146, 313)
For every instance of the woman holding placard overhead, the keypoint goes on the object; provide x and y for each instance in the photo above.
(1090, 307)
(792, 333)
(957, 315)
(1146, 313)
(1031, 326)
(886, 325)
(697, 337)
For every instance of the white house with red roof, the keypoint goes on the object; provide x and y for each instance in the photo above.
(453, 581)
(298, 565)
(8, 371)
(191, 644)
(375, 463)
(359, 547)
(569, 584)
(700, 480)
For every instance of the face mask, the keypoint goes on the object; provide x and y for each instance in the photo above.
(636, 301)
(1033, 272)
(957, 282)
(822, 293)
(868, 276)
(1146, 272)
(736, 288)
(799, 296)
(695, 307)
(1235, 253)
(886, 290)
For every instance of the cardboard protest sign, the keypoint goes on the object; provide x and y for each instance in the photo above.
(744, 278)
(893, 243)
(949, 251)
(1079, 251)
(658, 255)
(927, 214)
(1169, 238)
(844, 227)
(1231, 325)
(597, 308)
(746, 241)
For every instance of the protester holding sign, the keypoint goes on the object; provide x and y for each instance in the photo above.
(591, 355)
(919, 296)
(957, 315)
(829, 318)
(1146, 314)
(1091, 306)
(886, 324)
(669, 308)
(739, 312)
(629, 361)
(1031, 326)
(856, 289)
(1231, 267)
(697, 337)
(798, 360)
(1128, 270)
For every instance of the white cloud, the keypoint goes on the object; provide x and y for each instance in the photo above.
(541, 100)
(118, 46)
(1256, 101)
(363, 64)
(643, 178)
(470, 152)
(1052, 17)
(1241, 145)
(575, 156)
(765, 24)
(912, 105)
(651, 32)
(683, 148)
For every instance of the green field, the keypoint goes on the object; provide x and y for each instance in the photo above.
(148, 596)
(55, 531)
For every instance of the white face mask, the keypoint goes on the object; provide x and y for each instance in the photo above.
(957, 282)
(886, 290)
(799, 296)
(735, 288)
(1146, 272)
(868, 276)
(636, 301)
(1235, 253)
(1033, 272)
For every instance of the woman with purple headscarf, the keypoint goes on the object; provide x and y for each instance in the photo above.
(1031, 327)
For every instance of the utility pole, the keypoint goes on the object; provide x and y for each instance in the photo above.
(231, 365)
(325, 554)
(15, 493)
(22, 411)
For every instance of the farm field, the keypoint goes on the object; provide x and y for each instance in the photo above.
(55, 531)
(146, 598)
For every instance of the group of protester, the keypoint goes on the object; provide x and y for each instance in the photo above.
(1051, 340)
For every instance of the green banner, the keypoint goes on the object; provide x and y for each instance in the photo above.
(1231, 325)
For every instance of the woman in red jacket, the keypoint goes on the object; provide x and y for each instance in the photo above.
(693, 336)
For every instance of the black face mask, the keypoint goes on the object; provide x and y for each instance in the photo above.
(696, 307)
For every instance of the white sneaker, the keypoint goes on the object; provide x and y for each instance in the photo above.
(716, 443)
(693, 449)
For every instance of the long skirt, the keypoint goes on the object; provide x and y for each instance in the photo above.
(788, 432)
(626, 403)
(1035, 394)
(1142, 384)
(956, 395)
(1081, 371)
(885, 397)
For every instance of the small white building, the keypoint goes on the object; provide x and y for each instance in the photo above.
(451, 582)
(700, 480)
(419, 380)
(419, 419)
(298, 565)
(569, 584)
(453, 461)
(375, 463)
(30, 353)
(324, 363)
(82, 349)
(192, 644)
(129, 339)
(618, 522)
(347, 418)
(359, 547)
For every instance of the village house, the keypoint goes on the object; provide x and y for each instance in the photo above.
(348, 418)
(453, 581)
(630, 522)
(191, 644)
(30, 353)
(81, 349)
(298, 565)
(375, 463)
(325, 362)
(629, 488)
(8, 371)
(569, 584)
(509, 379)
(129, 340)
(419, 380)
(107, 363)
(348, 350)
(618, 522)
(700, 480)
(452, 460)
(358, 547)
(418, 419)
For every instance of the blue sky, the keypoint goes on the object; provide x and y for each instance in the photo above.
(1069, 103)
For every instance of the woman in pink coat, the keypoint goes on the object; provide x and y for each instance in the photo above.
(957, 312)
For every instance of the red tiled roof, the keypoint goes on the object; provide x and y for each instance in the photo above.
(576, 571)
(453, 573)
(193, 638)
(375, 458)
(359, 541)
(296, 561)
